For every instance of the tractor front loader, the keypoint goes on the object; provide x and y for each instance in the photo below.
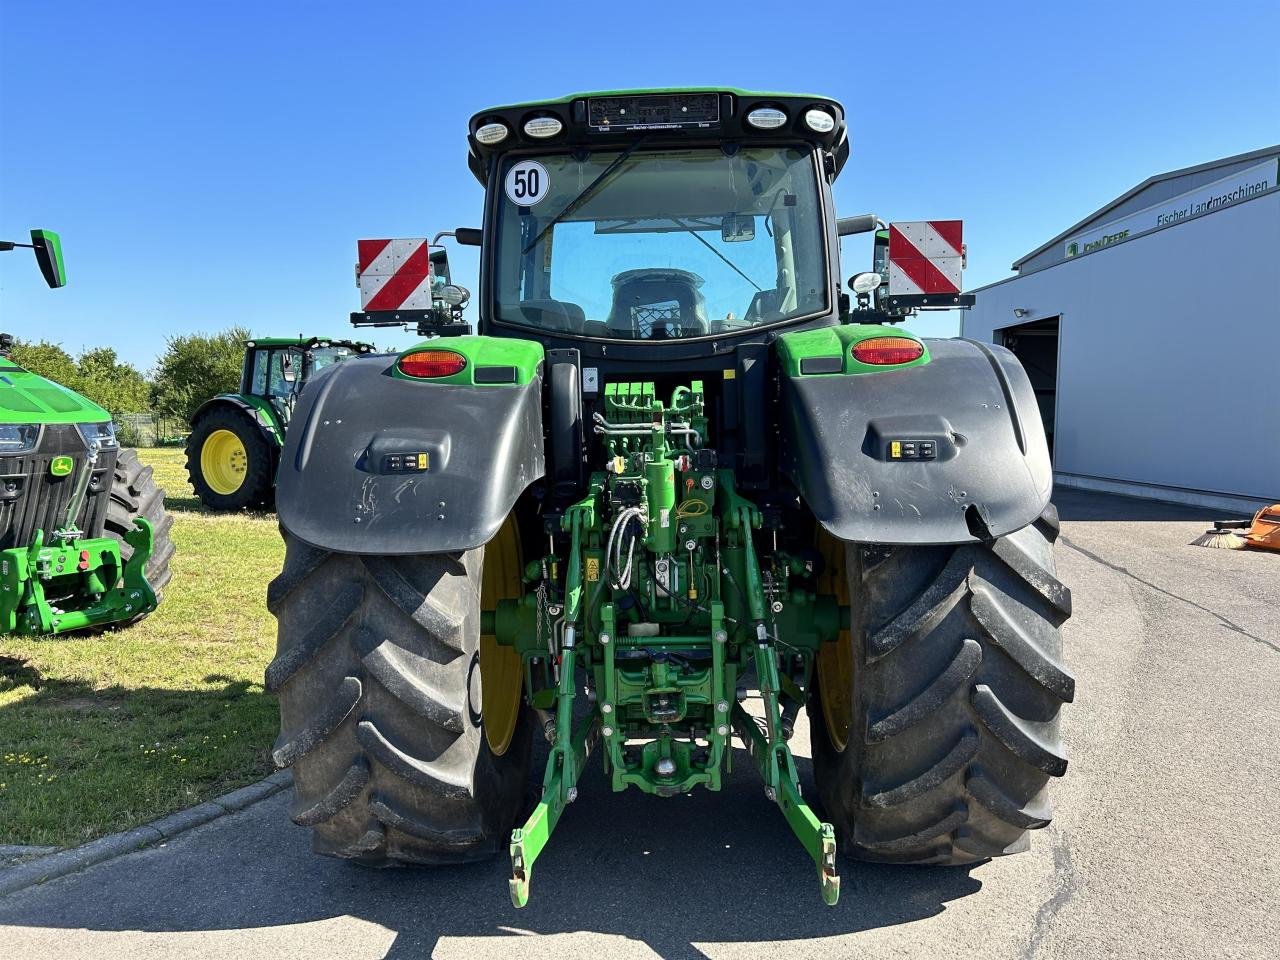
(84, 536)
(679, 487)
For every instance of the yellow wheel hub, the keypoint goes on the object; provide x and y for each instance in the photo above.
(224, 462)
(835, 660)
(501, 669)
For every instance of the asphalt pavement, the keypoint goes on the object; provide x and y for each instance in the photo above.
(1164, 843)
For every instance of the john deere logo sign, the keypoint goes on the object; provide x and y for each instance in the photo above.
(1242, 185)
(61, 466)
(1076, 247)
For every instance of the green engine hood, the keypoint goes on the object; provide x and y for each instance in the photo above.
(28, 398)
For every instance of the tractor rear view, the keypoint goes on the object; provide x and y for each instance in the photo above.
(234, 445)
(678, 488)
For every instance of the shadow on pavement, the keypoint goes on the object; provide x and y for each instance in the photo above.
(1074, 504)
(670, 873)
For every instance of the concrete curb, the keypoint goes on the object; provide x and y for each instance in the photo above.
(62, 862)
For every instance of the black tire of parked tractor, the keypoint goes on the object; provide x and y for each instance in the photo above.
(958, 681)
(377, 670)
(134, 494)
(258, 490)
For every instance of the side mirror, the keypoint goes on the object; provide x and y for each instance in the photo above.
(48, 248)
(735, 228)
(286, 368)
(468, 236)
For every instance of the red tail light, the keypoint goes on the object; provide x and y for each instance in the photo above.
(885, 351)
(431, 364)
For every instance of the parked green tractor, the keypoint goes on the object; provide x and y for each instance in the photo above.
(680, 487)
(84, 537)
(234, 445)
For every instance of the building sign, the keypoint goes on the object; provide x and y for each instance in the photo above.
(1213, 196)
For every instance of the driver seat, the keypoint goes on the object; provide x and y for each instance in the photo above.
(657, 304)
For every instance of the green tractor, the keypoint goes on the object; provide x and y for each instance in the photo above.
(680, 487)
(234, 445)
(84, 537)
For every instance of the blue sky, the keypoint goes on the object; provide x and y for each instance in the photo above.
(210, 164)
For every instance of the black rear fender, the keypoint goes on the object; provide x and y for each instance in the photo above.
(990, 473)
(343, 482)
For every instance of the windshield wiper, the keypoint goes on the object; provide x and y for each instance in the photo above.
(587, 192)
(702, 240)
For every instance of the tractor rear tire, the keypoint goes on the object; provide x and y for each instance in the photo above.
(378, 673)
(256, 490)
(957, 683)
(134, 494)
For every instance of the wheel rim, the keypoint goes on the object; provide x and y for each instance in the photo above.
(224, 462)
(501, 668)
(835, 660)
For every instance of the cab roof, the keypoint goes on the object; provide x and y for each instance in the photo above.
(594, 118)
(303, 342)
(655, 91)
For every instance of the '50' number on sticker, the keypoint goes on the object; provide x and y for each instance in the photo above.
(527, 183)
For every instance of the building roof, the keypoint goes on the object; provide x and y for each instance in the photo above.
(1100, 214)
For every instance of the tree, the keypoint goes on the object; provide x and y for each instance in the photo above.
(118, 387)
(195, 368)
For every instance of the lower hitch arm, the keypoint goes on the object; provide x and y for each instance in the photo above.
(572, 745)
(772, 756)
(558, 791)
(768, 747)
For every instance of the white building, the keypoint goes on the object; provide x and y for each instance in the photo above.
(1151, 332)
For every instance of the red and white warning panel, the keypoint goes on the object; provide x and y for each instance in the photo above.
(394, 274)
(926, 257)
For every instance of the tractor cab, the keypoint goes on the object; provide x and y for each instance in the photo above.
(668, 216)
(276, 368)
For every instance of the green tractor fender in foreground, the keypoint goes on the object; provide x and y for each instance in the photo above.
(678, 488)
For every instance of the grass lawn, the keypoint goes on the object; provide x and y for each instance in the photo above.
(101, 733)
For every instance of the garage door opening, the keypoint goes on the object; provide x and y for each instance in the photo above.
(1036, 347)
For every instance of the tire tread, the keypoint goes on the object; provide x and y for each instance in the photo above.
(958, 684)
(403, 774)
(134, 494)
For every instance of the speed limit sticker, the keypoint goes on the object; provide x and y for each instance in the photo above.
(527, 183)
